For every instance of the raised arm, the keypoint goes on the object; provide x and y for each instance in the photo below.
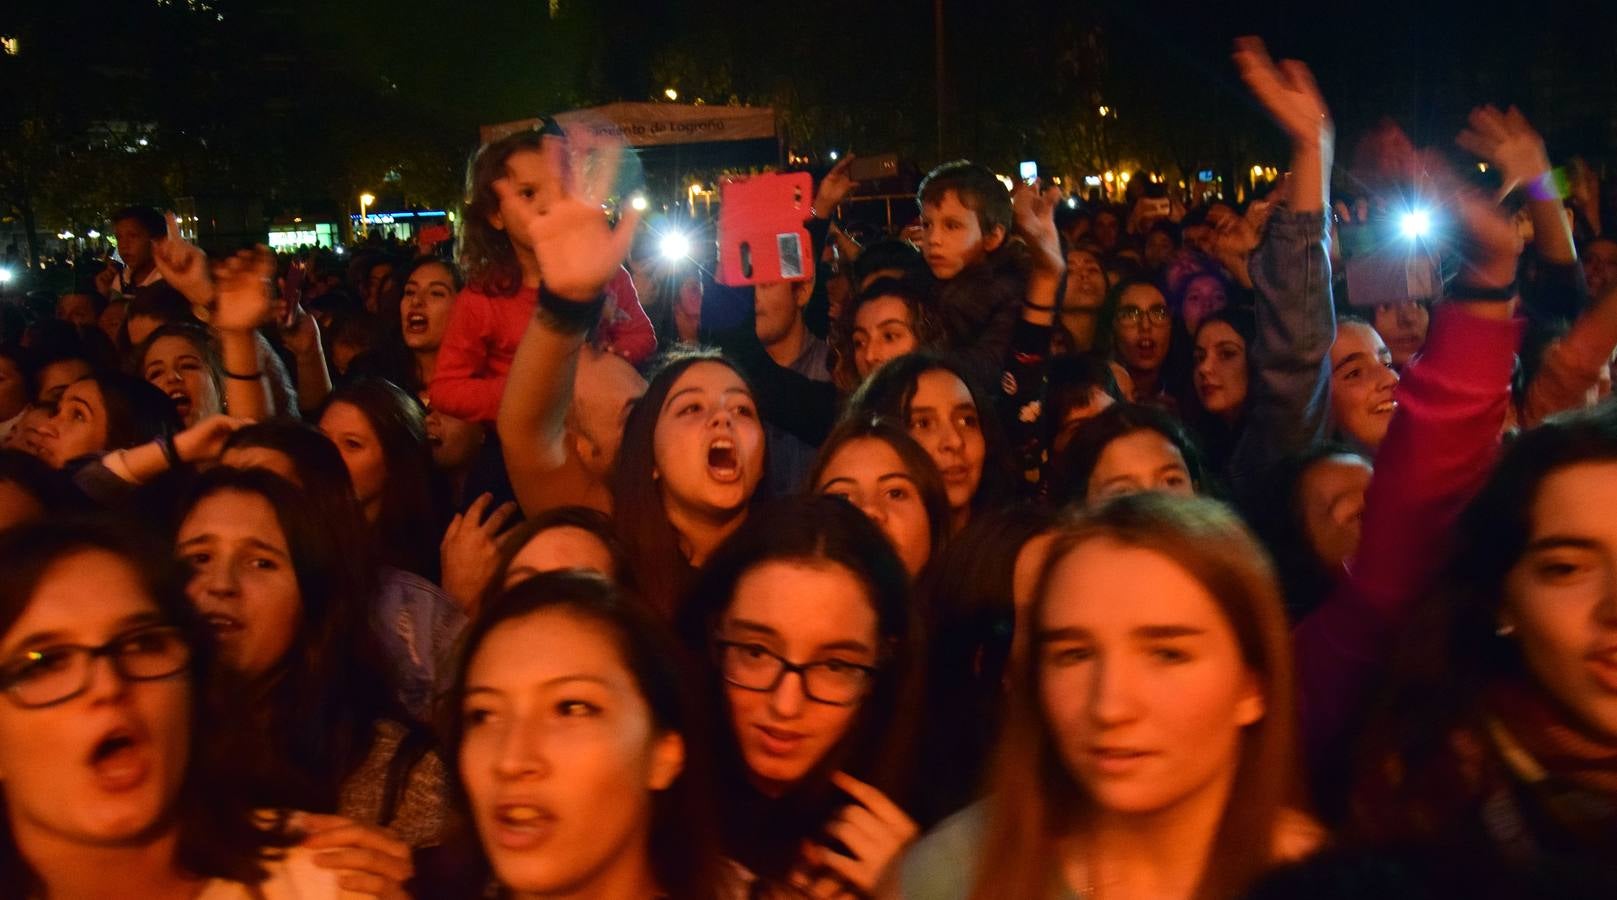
(1288, 405)
(1027, 363)
(1557, 292)
(1439, 449)
(579, 253)
(234, 301)
(243, 288)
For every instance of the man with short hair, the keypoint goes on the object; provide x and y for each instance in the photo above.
(778, 321)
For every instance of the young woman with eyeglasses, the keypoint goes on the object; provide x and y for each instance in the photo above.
(1147, 341)
(106, 756)
(804, 619)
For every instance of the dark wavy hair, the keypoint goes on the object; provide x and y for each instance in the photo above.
(890, 390)
(921, 469)
(137, 411)
(1418, 782)
(409, 526)
(1218, 436)
(50, 488)
(1176, 365)
(315, 714)
(388, 357)
(684, 855)
(928, 333)
(1273, 507)
(198, 336)
(659, 566)
(971, 623)
(218, 837)
(321, 474)
(766, 834)
(583, 518)
(1070, 481)
(486, 254)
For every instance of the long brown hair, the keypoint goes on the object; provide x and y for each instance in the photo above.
(658, 564)
(1034, 798)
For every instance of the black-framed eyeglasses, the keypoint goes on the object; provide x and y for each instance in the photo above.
(47, 676)
(754, 667)
(1133, 316)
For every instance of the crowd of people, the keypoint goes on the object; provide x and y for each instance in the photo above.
(1044, 551)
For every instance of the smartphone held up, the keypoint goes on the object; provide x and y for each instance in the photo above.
(761, 233)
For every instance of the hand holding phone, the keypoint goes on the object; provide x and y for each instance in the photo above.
(873, 168)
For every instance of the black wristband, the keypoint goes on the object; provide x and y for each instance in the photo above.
(1041, 307)
(1462, 291)
(569, 316)
(166, 444)
(237, 376)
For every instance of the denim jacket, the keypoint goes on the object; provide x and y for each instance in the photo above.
(1289, 401)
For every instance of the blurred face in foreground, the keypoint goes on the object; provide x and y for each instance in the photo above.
(1560, 598)
(1146, 700)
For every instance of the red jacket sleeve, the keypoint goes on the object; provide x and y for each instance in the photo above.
(1439, 449)
(463, 385)
(625, 328)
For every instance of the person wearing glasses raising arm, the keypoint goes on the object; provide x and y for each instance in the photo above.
(109, 790)
(804, 618)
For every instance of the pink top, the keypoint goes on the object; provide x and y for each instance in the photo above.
(484, 331)
(1439, 450)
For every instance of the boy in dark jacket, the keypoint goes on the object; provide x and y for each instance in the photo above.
(981, 279)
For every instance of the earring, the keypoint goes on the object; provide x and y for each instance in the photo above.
(1505, 629)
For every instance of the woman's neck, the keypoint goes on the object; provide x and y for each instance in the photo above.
(699, 535)
(1147, 384)
(1081, 324)
(528, 263)
(959, 519)
(629, 878)
(426, 365)
(70, 869)
(1159, 855)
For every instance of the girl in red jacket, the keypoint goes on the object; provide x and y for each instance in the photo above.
(502, 280)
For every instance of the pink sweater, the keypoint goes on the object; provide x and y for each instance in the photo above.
(482, 339)
(1439, 450)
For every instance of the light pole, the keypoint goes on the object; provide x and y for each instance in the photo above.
(365, 200)
(938, 73)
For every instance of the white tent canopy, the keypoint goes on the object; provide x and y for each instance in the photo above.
(658, 124)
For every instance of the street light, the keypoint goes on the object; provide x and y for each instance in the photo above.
(671, 94)
(638, 202)
(365, 200)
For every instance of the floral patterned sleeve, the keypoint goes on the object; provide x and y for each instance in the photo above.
(1021, 401)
